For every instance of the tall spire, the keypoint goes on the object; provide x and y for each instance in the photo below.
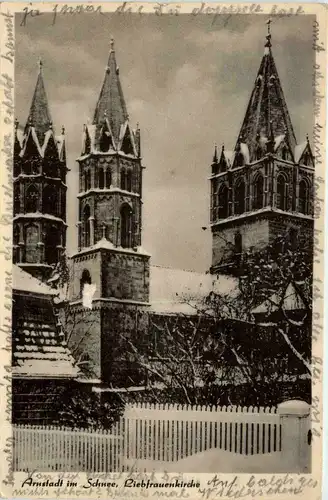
(111, 103)
(267, 114)
(39, 115)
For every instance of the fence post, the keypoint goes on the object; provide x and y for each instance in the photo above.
(295, 425)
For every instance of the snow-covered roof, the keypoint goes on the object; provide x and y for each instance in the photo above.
(31, 132)
(245, 151)
(290, 301)
(61, 368)
(278, 140)
(38, 215)
(179, 291)
(229, 156)
(24, 282)
(108, 245)
(39, 346)
(20, 136)
(299, 150)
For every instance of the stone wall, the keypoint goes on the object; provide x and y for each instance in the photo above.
(36, 402)
(125, 276)
(83, 333)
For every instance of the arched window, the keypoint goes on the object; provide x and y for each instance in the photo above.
(303, 200)
(108, 178)
(31, 242)
(258, 192)
(239, 159)
(31, 199)
(105, 140)
(50, 200)
(85, 279)
(293, 235)
(17, 166)
(238, 246)
(223, 202)
(16, 234)
(87, 180)
(123, 179)
(101, 178)
(129, 180)
(86, 226)
(51, 243)
(126, 226)
(281, 192)
(285, 153)
(16, 199)
(259, 153)
(240, 197)
(306, 159)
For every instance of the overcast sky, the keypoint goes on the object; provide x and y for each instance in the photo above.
(186, 81)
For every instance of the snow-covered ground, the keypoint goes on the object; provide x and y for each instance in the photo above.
(214, 461)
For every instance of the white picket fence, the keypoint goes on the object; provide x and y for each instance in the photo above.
(46, 448)
(149, 434)
(168, 433)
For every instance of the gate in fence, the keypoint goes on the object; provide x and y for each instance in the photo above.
(149, 435)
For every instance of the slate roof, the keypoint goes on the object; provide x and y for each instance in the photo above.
(39, 115)
(111, 100)
(267, 114)
(110, 122)
(38, 134)
(39, 349)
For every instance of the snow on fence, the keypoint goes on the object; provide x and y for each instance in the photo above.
(157, 433)
(168, 433)
(46, 448)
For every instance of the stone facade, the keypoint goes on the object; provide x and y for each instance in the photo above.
(39, 228)
(110, 256)
(264, 188)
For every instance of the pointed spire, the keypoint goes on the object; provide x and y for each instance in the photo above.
(267, 101)
(17, 145)
(111, 98)
(215, 156)
(39, 115)
(268, 44)
(138, 140)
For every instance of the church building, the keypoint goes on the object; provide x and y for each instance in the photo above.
(39, 234)
(260, 190)
(110, 255)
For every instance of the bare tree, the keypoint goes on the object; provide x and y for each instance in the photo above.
(259, 336)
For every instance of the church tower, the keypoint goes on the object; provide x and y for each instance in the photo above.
(110, 256)
(264, 187)
(39, 226)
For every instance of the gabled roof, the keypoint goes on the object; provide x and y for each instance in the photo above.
(38, 132)
(267, 114)
(25, 282)
(111, 103)
(39, 115)
(290, 300)
(39, 348)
